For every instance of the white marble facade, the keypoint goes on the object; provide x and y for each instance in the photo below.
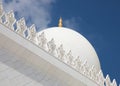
(36, 60)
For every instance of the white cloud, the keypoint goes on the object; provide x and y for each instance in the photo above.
(72, 23)
(34, 11)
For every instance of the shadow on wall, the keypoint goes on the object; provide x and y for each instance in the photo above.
(27, 70)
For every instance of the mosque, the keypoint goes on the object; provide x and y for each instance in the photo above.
(56, 56)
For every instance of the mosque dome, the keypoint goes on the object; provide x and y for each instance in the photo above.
(75, 42)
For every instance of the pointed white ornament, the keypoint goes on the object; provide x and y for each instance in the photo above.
(21, 27)
(42, 41)
(32, 33)
(10, 20)
(108, 81)
(100, 77)
(61, 52)
(114, 83)
(1, 12)
(78, 63)
(51, 46)
(69, 58)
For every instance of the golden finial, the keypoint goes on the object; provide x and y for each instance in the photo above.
(60, 22)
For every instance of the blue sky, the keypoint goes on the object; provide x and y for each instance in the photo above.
(97, 20)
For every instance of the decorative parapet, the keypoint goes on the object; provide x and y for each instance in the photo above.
(109, 83)
(50, 46)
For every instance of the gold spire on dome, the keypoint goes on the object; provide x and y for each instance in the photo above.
(60, 22)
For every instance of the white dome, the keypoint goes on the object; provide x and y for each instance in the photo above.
(75, 42)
